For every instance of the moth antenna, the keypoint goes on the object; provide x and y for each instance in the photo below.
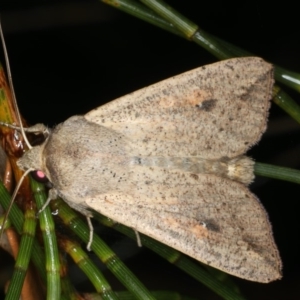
(9, 76)
(13, 198)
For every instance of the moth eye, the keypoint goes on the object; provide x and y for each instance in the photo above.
(39, 176)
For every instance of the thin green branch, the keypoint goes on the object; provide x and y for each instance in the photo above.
(276, 172)
(23, 258)
(50, 242)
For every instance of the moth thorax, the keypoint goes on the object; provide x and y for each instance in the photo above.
(32, 159)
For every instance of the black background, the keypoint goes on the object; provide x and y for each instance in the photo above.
(68, 57)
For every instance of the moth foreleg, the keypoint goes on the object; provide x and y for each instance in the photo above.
(52, 194)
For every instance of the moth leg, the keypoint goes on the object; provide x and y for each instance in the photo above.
(138, 237)
(88, 246)
(38, 128)
(52, 194)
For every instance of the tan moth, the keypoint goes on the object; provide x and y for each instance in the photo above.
(168, 161)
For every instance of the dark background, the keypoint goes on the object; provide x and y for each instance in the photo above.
(68, 57)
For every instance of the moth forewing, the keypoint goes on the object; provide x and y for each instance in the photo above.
(225, 227)
(214, 111)
(167, 160)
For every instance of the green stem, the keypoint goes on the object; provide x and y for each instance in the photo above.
(17, 218)
(284, 101)
(23, 258)
(90, 269)
(276, 172)
(50, 242)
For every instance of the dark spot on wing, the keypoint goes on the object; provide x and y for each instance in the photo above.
(211, 225)
(207, 105)
(166, 92)
(252, 245)
(195, 176)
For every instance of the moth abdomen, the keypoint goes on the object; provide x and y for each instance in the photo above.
(239, 168)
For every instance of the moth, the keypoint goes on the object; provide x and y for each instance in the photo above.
(168, 161)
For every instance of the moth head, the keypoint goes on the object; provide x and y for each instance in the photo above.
(32, 159)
